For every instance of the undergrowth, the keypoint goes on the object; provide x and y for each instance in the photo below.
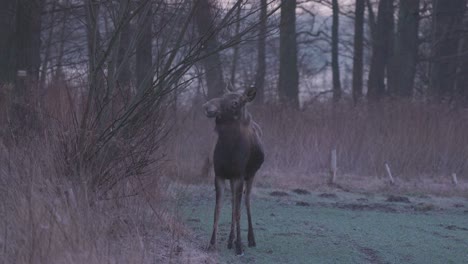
(417, 140)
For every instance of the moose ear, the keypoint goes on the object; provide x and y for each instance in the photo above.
(228, 88)
(250, 94)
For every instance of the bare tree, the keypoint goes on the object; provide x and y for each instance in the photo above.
(261, 56)
(235, 55)
(461, 82)
(405, 55)
(28, 37)
(24, 61)
(372, 20)
(48, 44)
(144, 53)
(288, 83)
(58, 73)
(212, 64)
(335, 53)
(95, 61)
(123, 71)
(7, 31)
(446, 22)
(381, 50)
(358, 50)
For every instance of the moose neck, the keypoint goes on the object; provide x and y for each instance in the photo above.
(230, 125)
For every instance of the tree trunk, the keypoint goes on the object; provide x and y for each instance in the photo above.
(212, 64)
(235, 55)
(28, 37)
(144, 54)
(27, 43)
(372, 20)
(95, 93)
(288, 83)
(405, 54)
(461, 82)
(381, 47)
(123, 72)
(58, 74)
(261, 56)
(48, 46)
(7, 31)
(335, 56)
(447, 18)
(358, 51)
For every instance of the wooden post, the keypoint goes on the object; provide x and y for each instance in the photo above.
(389, 174)
(454, 179)
(333, 166)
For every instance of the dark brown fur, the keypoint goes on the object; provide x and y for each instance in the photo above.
(238, 155)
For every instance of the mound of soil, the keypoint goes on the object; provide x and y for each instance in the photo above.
(301, 191)
(367, 207)
(302, 203)
(279, 193)
(328, 195)
(454, 227)
(398, 199)
(423, 207)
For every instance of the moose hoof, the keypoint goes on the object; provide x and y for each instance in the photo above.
(252, 244)
(239, 251)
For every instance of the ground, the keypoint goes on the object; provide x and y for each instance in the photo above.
(335, 226)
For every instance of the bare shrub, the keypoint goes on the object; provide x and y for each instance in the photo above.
(47, 218)
(111, 207)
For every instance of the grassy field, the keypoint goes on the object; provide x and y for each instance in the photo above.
(297, 226)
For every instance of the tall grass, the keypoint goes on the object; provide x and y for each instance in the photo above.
(417, 140)
(47, 218)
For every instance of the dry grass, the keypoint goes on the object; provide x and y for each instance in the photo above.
(48, 215)
(422, 143)
(45, 218)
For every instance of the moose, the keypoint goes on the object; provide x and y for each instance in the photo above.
(237, 156)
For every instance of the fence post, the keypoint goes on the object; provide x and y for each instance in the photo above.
(454, 179)
(389, 173)
(333, 167)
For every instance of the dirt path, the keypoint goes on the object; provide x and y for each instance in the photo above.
(296, 226)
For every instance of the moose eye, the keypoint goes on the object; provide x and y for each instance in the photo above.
(235, 104)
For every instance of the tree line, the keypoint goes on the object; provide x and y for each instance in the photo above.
(400, 48)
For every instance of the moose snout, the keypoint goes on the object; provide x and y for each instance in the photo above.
(211, 110)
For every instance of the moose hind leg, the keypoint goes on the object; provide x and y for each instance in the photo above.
(219, 186)
(248, 189)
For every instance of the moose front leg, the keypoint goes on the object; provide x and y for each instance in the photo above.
(239, 186)
(232, 234)
(219, 186)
